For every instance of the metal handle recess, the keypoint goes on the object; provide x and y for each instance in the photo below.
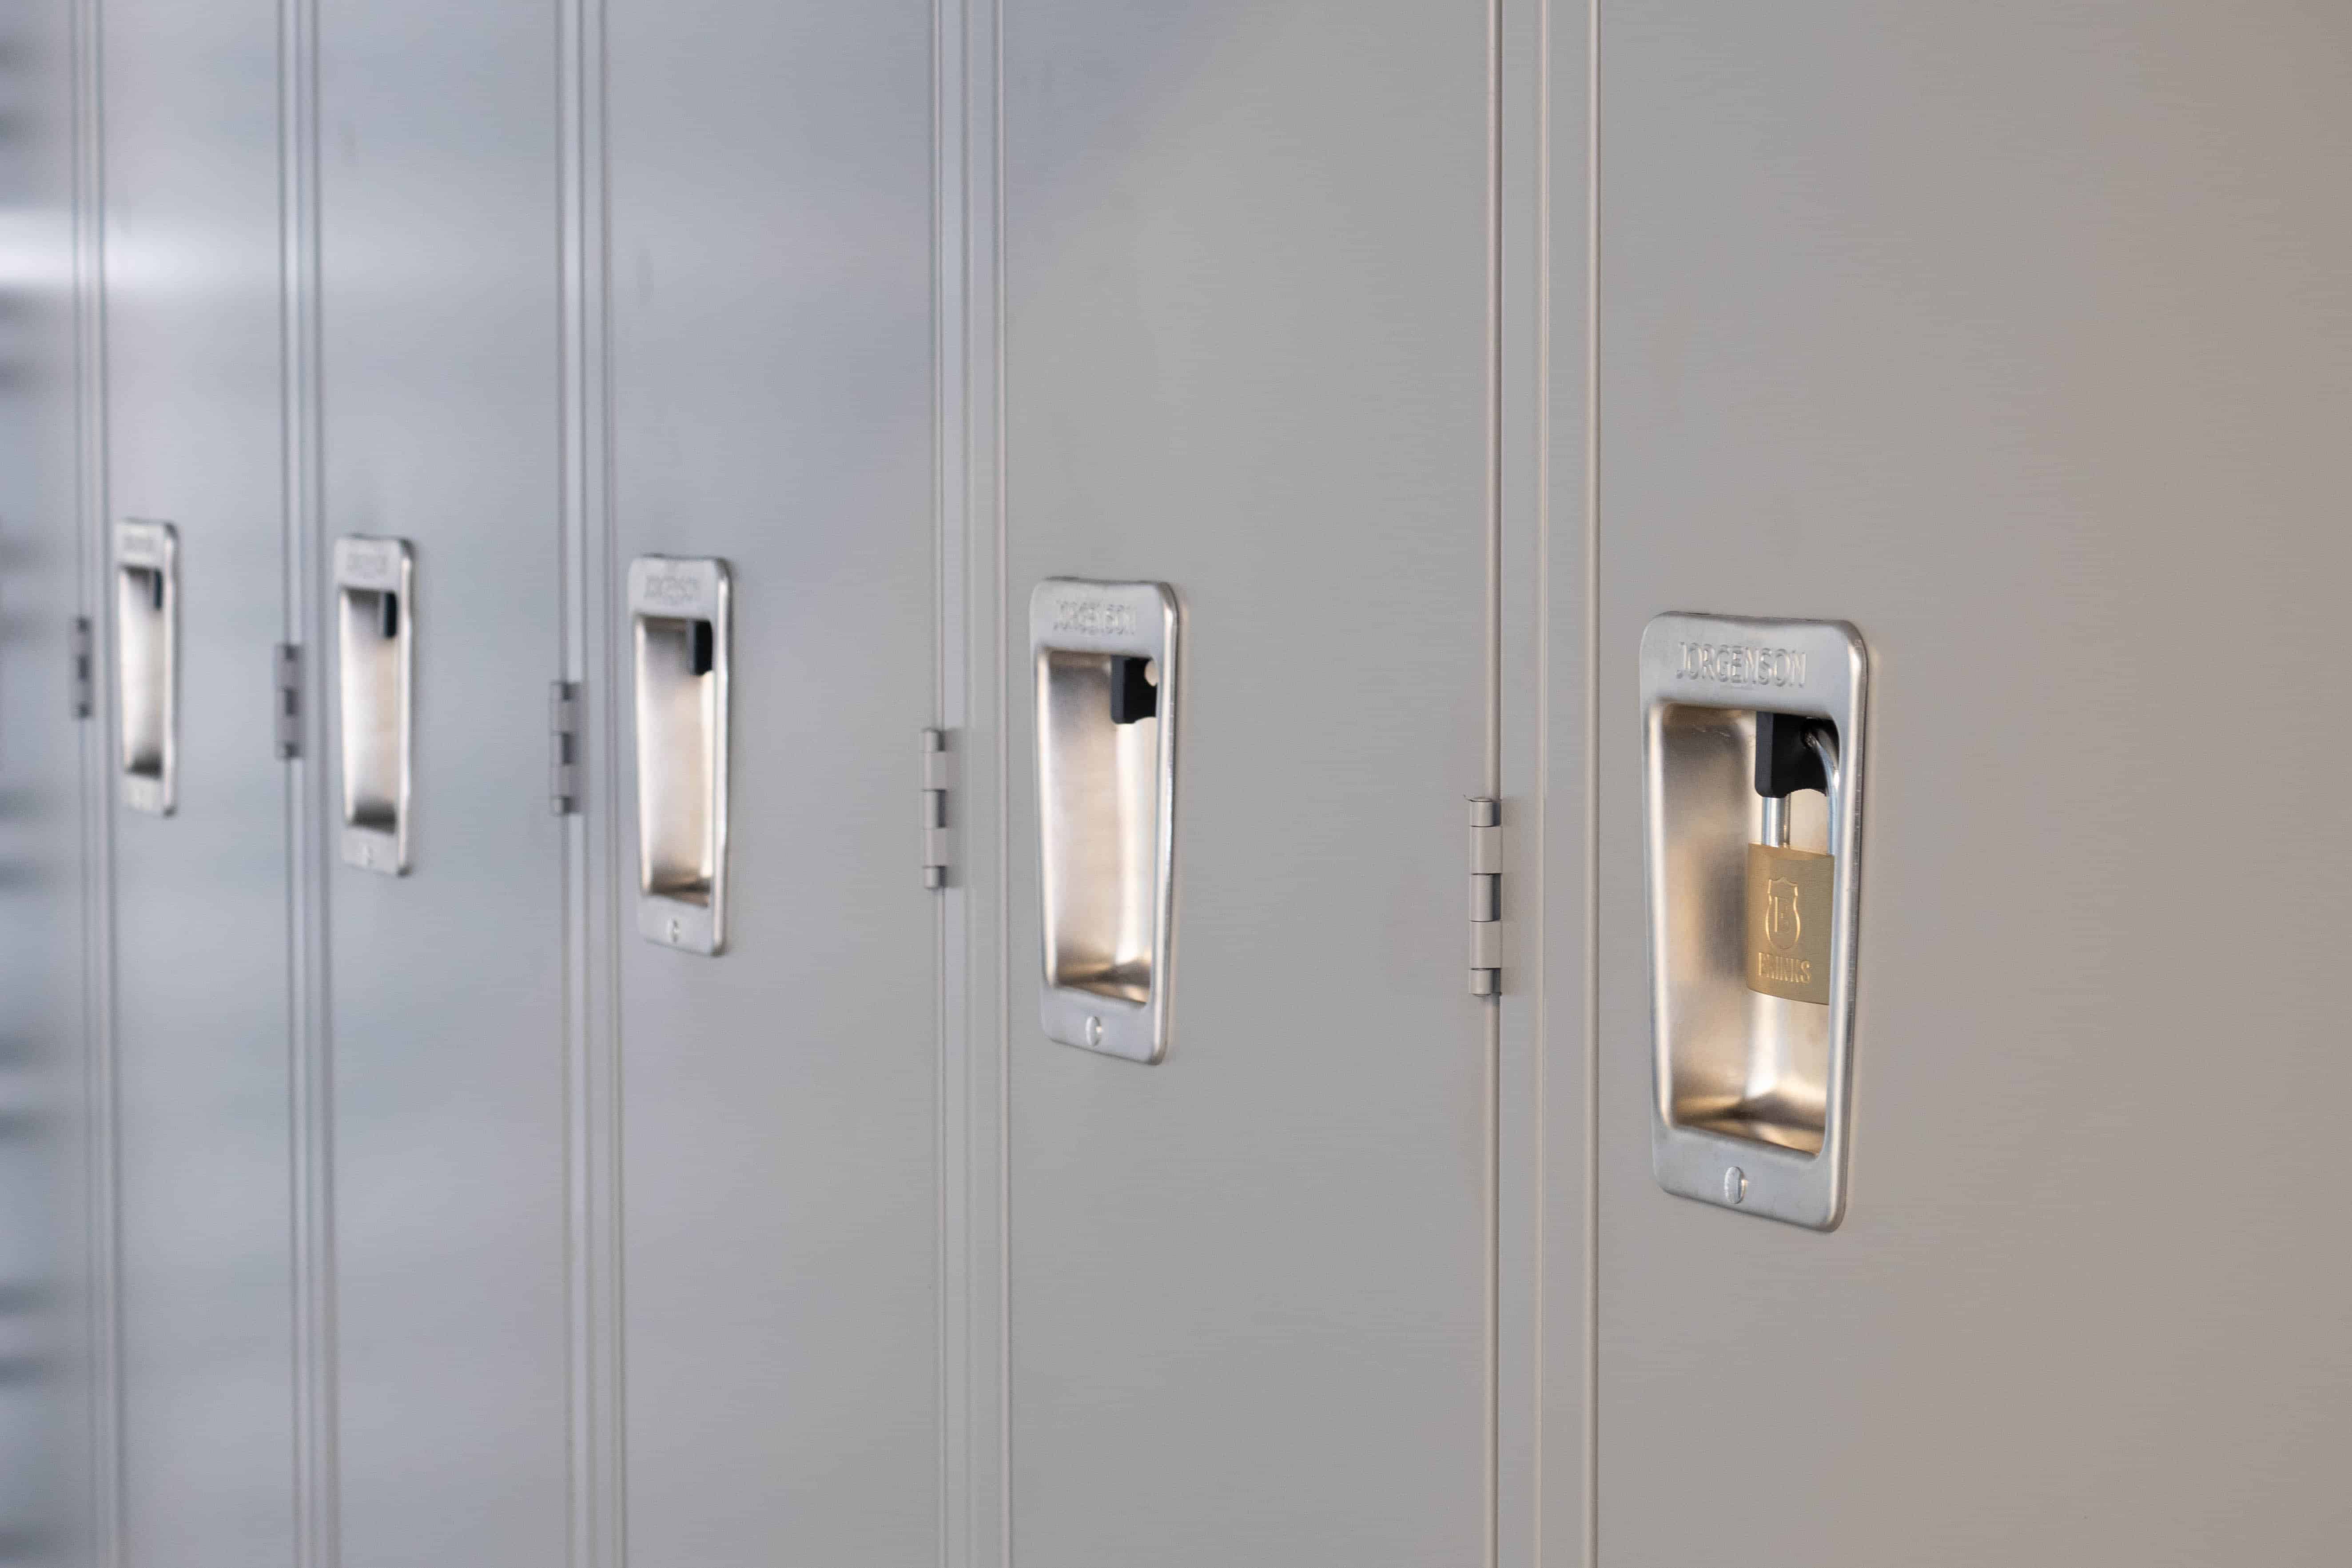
(1755, 751)
(147, 663)
(375, 648)
(680, 618)
(1109, 696)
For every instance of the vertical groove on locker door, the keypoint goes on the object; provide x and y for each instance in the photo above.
(100, 1195)
(1490, 783)
(1588, 494)
(596, 1536)
(310, 982)
(963, 623)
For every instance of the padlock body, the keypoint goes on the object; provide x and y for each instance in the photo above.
(1788, 926)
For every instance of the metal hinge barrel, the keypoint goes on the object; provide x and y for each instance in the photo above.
(935, 808)
(563, 748)
(1486, 897)
(287, 668)
(85, 660)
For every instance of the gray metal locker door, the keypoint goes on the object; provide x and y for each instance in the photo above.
(1245, 271)
(44, 1440)
(2018, 336)
(772, 374)
(438, 277)
(201, 1025)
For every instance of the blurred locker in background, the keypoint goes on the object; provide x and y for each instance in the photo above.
(47, 1203)
(203, 1034)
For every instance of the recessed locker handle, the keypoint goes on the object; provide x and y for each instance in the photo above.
(375, 646)
(680, 633)
(1108, 692)
(1753, 750)
(146, 663)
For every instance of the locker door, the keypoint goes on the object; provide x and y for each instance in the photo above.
(771, 375)
(439, 264)
(201, 1025)
(43, 1387)
(2018, 337)
(1245, 256)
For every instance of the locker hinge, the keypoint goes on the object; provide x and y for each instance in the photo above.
(563, 748)
(1486, 897)
(85, 690)
(935, 808)
(287, 677)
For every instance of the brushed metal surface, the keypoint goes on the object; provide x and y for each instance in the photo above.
(147, 664)
(1744, 1079)
(681, 632)
(375, 661)
(1106, 813)
(2018, 335)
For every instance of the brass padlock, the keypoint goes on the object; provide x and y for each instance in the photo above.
(1788, 896)
(1790, 891)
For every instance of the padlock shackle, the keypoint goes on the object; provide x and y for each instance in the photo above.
(1822, 740)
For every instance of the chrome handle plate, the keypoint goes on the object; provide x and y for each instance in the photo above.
(1751, 1089)
(681, 631)
(375, 643)
(1108, 694)
(147, 664)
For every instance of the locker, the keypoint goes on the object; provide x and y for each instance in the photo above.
(201, 1032)
(438, 629)
(770, 198)
(1246, 255)
(2027, 360)
(45, 1470)
(574, 1107)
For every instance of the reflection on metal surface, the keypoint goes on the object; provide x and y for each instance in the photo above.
(1751, 1067)
(1107, 667)
(147, 663)
(679, 612)
(375, 642)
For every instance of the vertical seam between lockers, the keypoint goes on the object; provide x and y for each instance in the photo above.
(311, 1047)
(1592, 782)
(101, 1199)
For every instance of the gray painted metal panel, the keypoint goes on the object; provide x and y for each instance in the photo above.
(200, 898)
(2018, 336)
(1549, 595)
(438, 285)
(45, 1471)
(772, 363)
(1246, 252)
